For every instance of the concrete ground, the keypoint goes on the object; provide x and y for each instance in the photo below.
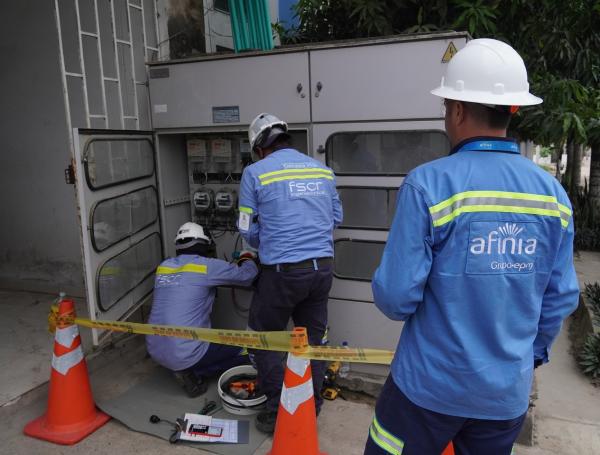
(567, 411)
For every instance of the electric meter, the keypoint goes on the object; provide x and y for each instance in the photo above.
(203, 200)
(224, 200)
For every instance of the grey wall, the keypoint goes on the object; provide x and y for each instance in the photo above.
(39, 236)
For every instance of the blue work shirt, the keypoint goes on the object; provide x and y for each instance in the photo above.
(479, 263)
(184, 293)
(289, 207)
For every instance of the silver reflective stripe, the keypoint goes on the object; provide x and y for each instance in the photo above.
(62, 364)
(66, 336)
(293, 397)
(384, 439)
(297, 364)
(506, 202)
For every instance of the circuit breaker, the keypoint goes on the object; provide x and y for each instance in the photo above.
(215, 165)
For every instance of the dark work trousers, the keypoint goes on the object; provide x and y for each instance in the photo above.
(300, 294)
(401, 424)
(218, 359)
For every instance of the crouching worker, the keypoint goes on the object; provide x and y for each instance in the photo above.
(184, 293)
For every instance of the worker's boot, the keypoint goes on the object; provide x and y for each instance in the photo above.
(265, 421)
(193, 385)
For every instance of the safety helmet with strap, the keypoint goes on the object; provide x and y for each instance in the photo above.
(190, 234)
(487, 71)
(264, 129)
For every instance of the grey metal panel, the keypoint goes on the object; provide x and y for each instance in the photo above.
(171, 159)
(93, 75)
(112, 104)
(143, 107)
(39, 240)
(137, 40)
(97, 123)
(257, 84)
(130, 124)
(126, 78)
(93, 260)
(70, 35)
(87, 16)
(106, 38)
(121, 19)
(362, 324)
(76, 102)
(389, 81)
(150, 19)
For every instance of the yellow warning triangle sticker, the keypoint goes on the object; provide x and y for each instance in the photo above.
(450, 51)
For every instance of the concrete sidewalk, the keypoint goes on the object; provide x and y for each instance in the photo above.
(568, 408)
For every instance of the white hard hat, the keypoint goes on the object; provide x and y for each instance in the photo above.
(487, 71)
(264, 129)
(192, 233)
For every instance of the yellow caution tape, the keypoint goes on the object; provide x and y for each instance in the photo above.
(285, 341)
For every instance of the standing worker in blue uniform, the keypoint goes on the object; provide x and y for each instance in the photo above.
(289, 207)
(479, 265)
(184, 293)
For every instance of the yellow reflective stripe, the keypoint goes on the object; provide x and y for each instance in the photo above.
(564, 209)
(104, 271)
(565, 223)
(384, 438)
(384, 445)
(496, 208)
(501, 194)
(246, 209)
(297, 177)
(296, 171)
(191, 268)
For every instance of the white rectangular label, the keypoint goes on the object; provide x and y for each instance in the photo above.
(244, 221)
(160, 108)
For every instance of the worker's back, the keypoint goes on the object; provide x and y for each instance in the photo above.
(184, 293)
(497, 222)
(297, 205)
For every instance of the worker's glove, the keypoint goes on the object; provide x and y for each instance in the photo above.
(247, 255)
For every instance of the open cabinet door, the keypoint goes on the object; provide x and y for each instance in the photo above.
(118, 211)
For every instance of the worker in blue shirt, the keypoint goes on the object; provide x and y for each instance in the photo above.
(184, 293)
(479, 265)
(289, 207)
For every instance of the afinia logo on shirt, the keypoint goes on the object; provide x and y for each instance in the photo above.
(504, 248)
(504, 240)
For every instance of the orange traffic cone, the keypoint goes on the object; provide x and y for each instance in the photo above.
(449, 450)
(71, 414)
(296, 426)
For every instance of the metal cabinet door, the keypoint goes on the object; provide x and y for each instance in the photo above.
(370, 160)
(118, 211)
(378, 81)
(230, 91)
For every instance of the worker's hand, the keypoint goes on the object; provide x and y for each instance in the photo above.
(537, 363)
(247, 255)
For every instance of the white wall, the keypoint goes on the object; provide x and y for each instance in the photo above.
(39, 235)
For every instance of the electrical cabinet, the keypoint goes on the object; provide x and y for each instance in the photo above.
(363, 108)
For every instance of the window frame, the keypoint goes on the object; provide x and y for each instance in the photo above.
(99, 300)
(97, 203)
(376, 174)
(365, 187)
(349, 239)
(86, 154)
